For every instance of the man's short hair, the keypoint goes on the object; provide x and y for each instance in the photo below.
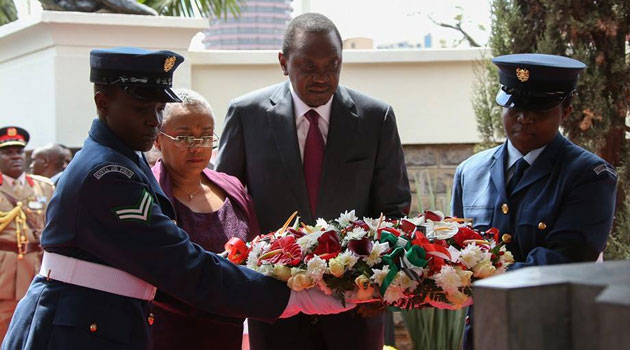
(308, 23)
(54, 152)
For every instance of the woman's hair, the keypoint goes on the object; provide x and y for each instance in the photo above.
(191, 100)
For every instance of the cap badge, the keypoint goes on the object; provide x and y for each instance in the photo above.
(169, 63)
(11, 132)
(522, 74)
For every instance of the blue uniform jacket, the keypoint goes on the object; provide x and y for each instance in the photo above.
(84, 220)
(561, 211)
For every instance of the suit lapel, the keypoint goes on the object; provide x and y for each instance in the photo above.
(282, 124)
(497, 172)
(342, 129)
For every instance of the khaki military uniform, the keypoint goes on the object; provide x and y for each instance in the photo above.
(22, 217)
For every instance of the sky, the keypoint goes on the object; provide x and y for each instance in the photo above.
(386, 21)
(390, 21)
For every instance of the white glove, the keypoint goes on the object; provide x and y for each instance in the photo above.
(313, 302)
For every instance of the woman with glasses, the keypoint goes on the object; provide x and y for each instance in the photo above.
(211, 206)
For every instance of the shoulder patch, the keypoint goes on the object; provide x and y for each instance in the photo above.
(605, 167)
(140, 212)
(113, 168)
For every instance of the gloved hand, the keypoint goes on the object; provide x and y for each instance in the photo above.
(313, 302)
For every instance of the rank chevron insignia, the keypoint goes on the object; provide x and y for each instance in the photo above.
(140, 212)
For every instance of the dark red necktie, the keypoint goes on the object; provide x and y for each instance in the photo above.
(313, 158)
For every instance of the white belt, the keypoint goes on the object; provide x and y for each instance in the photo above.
(95, 276)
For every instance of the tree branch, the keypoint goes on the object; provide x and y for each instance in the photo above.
(457, 27)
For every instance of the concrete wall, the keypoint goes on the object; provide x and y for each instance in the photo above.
(44, 75)
(429, 89)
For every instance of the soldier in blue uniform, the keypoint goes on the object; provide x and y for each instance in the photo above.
(555, 199)
(110, 239)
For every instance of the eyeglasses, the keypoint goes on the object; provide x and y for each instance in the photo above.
(191, 141)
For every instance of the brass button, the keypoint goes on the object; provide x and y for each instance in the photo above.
(93, 327)
(504, 208)
(151, 319)
(542, 226)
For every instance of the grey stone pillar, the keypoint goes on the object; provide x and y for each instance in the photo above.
(574, 306)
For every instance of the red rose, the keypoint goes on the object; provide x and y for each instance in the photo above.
(295, 233)
(328, 245)
(429, 215)
(464, 234)
(359, 223)
(407, 226)
(360, 247)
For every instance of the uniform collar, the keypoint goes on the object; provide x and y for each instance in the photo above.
(103, 135)
(9, 180)
(514, 154)
(300, 108)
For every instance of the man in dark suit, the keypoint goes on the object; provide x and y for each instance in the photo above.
(554, 198)
(313, 146)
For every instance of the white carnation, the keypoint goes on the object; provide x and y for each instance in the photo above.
(321, 224)
(348, 259)
(346, 217)
(404, 281)
(357, 233)
(471, 255)
(393, 293)
(254, 253)
(315, 268)
(448, 279)
(379, 274)
(378, 249)
(373, 224)
(309, 240)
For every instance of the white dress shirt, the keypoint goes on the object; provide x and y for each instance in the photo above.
(302, 124)
(514, 155)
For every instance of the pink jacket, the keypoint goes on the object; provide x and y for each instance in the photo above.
(230, 184)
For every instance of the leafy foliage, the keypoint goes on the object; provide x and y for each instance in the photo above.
(8, 12)
(195, 8)
(596, 33)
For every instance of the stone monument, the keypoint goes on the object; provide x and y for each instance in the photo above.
(574, 306)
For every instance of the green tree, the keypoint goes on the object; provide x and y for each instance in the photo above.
(596, 33)
(195, 8)
(183, 8)
(8, 12)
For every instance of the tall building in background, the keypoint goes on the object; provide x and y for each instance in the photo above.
(260, 26)
(428, 41)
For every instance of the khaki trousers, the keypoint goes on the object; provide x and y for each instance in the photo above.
(7, 307)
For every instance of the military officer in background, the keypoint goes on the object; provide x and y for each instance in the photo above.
(110, 239)
(23, 201)
(555, 199)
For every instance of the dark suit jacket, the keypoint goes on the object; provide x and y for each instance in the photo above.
(364, 170)
(82, 222)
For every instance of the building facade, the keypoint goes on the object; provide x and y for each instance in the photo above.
(260, 26)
